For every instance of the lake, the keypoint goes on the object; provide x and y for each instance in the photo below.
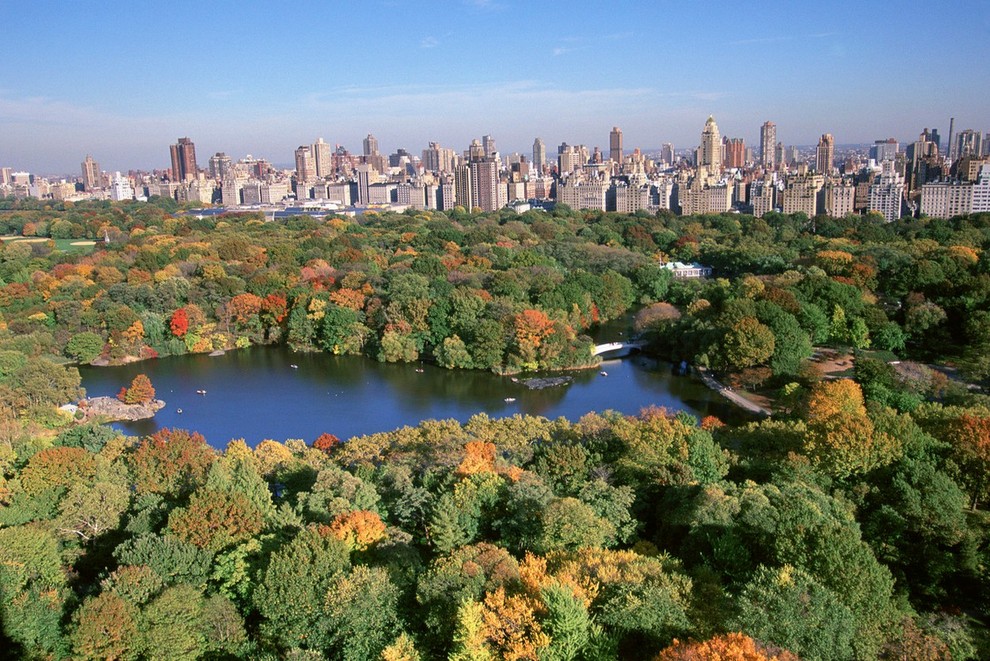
(272, 393)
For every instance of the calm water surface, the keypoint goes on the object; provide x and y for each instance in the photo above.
(273, 393)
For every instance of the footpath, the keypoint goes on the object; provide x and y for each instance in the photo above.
(730, 394)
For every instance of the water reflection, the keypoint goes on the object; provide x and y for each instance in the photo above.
(274, 393)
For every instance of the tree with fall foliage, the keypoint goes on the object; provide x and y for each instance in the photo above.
(139, 392)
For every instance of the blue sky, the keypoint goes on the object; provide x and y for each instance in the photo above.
(123, 80)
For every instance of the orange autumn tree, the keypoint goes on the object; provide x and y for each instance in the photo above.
(359, 529)
(479, 457)
(969, 435)
(140, 392)
(841, 438)
(531, 328)
(727, 647)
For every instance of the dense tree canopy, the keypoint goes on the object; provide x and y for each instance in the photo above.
(850, 525)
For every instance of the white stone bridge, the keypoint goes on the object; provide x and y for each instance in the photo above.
(617, 349)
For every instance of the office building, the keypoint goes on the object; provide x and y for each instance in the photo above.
(183, 154)
(968, 143)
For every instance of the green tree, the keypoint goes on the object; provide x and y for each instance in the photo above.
(361, 614)
(789, 608)
(84, 347)
(290, 596)
(745, 344)
(567, 623)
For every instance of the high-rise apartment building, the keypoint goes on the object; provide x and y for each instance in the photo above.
(825, 154)
(90, 174)
(322, 158)
(768, 145)
(968, 143)
(120, 188)
(184, 166)
(615, 145)
(484, 184)
(710, 150)
(735, 153)
(884, 150)
(305, 165)
(370, 145)
(539, 155)
(488, 144)
(220, 166)
(667, 153)
(887, 193)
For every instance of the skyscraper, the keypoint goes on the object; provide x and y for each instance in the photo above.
(323, 158)
(488, 142)
(370, 145)
(90, 173)
(615, 145)
(710, 151)
(667, 153)
(305, 167)
(539, 155)
(825, 154)
(184, 160)
(768, 145)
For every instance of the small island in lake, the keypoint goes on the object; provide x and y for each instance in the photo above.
(111, 409)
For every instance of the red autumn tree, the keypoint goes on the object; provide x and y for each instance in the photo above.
(172, 462)
(179, 323)
(325, 443)
(215, 519)
(274, 309)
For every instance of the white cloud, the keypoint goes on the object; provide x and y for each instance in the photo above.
(429, 42)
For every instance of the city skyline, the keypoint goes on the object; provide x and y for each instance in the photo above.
(413, 73)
